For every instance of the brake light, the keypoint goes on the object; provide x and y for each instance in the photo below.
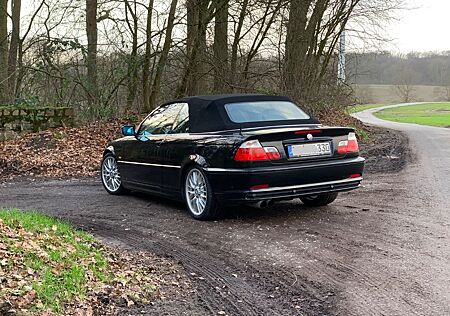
(348, 146)
(252, 150)
(259, 187)
(308, 131)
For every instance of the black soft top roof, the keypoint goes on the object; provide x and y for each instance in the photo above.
(207, 113)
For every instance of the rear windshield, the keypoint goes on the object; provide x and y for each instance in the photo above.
(263, 111)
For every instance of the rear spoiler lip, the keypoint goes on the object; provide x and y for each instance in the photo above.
(279, 130)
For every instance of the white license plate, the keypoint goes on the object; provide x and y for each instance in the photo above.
(309, 150)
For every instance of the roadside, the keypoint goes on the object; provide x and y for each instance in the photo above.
(385, 151)
(47, 267)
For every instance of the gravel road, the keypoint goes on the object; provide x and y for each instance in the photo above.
(381, 250)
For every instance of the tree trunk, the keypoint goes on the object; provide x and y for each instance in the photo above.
(147, 58)
(302, 61)
(220, 46)
(234, 46)
(132, 59)
(296, 46)
(164, 54)
(13, 47)
(91, 61)
(194, 80)
(3, 50)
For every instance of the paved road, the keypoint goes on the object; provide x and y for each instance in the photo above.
(381, 250)
(432, 148)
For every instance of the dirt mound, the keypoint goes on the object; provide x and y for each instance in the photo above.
(386, 151)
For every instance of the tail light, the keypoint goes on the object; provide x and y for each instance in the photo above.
(350, 145)
(272, 153)
(252, 150)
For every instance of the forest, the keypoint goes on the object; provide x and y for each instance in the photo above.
(107, 58)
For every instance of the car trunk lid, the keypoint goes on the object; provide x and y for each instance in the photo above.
(299, 143)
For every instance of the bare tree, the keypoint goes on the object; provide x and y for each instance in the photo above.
(133, 62)
(164, 54)
(14, 46)
(220, 45)
(3, 50)
(199, 14)
(404, 85)
(147, 57)
(203, 46)
(91, 60)
(313, 31)
(236, 41)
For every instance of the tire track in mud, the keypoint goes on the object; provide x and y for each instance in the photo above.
(260, 291)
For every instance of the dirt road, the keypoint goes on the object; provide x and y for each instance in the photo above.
(381, 250)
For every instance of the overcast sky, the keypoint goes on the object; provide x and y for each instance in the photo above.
(426, 28)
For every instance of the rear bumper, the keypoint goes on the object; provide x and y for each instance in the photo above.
(285, 182)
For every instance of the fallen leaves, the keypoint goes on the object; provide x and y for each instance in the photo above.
(111, 279)
(60, 152)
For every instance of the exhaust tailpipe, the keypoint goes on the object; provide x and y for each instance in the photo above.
(263, 204)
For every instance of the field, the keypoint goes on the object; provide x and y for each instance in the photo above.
(387, 94)
(433, 114)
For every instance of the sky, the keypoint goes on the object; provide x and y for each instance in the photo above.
(425, 28)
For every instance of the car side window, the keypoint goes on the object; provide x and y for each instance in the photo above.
(181, 124)
(161, 120)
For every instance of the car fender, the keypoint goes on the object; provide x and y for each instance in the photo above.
(109, 149)
(190, 161)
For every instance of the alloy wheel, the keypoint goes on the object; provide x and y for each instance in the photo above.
(110, 174)
(196, 192)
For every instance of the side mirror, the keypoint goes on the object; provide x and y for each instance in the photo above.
(128, 130)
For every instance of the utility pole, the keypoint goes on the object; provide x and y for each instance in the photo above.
(341, 61)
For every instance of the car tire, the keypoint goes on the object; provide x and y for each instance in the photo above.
(319, 199)
(110, 175)
(198, 195)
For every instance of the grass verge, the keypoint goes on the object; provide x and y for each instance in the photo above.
(47, 265)
(433, 114)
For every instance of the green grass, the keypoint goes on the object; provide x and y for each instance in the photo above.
(362, 107)
(433, 114)
(63, 261)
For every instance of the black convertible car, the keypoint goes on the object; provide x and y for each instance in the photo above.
(233, 149)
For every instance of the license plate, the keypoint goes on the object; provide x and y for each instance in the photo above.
(309, 150)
